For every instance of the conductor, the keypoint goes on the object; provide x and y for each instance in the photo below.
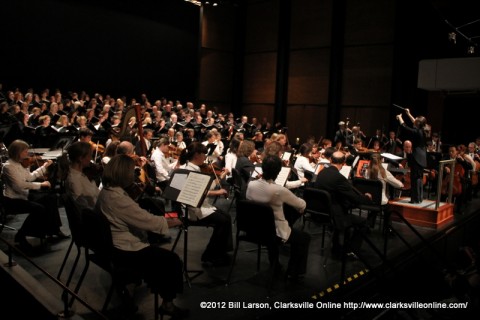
(417, 159)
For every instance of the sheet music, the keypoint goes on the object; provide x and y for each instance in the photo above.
(283, 176)
(256, 172)
(345, 171)
(391, 156)
(286, 155)
(193, 189)
(178, 181)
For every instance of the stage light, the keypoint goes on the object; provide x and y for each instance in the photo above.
(471, 50)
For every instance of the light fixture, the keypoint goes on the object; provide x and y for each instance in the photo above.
(215, 4)
(471, 50)
(452, 37)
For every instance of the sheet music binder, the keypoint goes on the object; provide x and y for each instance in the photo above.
(188, 187)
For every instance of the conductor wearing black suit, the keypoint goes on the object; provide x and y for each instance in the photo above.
(344, 196)
(417, 159)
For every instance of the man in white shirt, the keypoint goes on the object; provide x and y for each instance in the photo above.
(163, 167)
(265, 190)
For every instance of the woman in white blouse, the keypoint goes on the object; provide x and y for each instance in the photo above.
(302, 163)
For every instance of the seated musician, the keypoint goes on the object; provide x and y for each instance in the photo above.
(221, 242)
(245, 164)
(274, 148)
(163, 167)
(344, 197)
(462, 167)
(266, 191)
(162, 269)
(302, 163)
(82, 189)
(43, 219)
(376, 171)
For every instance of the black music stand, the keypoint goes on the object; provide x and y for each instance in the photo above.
(189, 188)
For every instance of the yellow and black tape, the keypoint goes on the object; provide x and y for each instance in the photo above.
(337, 286)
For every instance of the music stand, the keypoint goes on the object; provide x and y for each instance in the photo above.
(190, 189)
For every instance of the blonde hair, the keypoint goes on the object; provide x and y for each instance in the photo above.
(375, 167)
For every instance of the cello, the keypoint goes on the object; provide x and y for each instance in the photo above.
(459, 173)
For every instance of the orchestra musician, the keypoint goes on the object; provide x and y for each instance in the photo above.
(82, 189)
(221, 241)
(376, 171)
(274, 148)
(44, 218)
(344, 196)
(303, 163)
(245, 166)
(393, 145)
(162, 269)
(147, 136)
(163, 167)
(460, 168)
(417, 160)
(266, 191)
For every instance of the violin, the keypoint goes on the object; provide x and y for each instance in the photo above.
(135, 190)
(214, 170)
(33, 160)
(93, 171)
(97, 147)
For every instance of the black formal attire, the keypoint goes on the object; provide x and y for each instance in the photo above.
(344, 197)
(417, 161)
(341, 135)
(245, 167)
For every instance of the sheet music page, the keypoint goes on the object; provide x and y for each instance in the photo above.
(391, 156)
(256, 172)
(345, 171)
(193, 189)
(286, 155)
(178, 181)
(283, 176)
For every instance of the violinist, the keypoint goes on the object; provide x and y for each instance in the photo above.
(82, 189)
(221, 241)
(302, 163)
(163, 167)
(211, 142)
(85, 135)
(43, 219)
(274, 148)
(142, 188)
(231, 156)
(245, 166)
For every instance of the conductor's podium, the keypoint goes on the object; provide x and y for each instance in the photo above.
(423, 214)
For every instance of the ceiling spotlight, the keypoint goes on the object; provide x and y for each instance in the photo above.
(471, 50)
(215, 4)
(452, 36)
